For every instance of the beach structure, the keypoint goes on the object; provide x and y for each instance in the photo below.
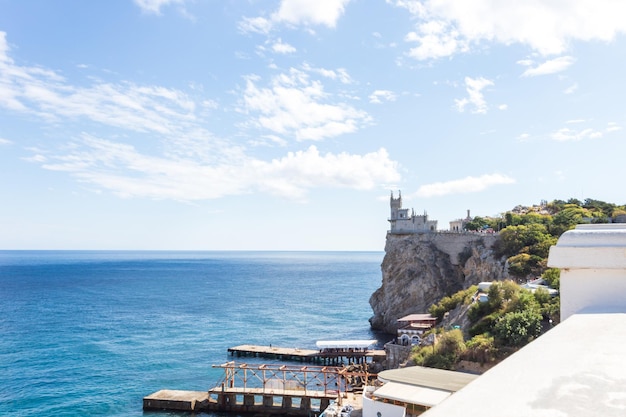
(328, 352)
(411, 390)
(268, 389)
(279, 388)
(401, 222)
(411, 328)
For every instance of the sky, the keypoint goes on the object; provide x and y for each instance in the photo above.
(286, 124)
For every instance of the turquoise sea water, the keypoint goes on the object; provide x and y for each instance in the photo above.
(90, 333)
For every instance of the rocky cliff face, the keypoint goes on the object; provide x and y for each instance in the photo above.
(419, 269)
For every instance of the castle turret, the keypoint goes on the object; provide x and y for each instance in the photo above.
(395, 204)
(402, 222)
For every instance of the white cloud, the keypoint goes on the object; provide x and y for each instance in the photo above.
(188, 162)
(340, 74)
(613, 127)
(255, 24)
(281, 47)
(123, 170)
(310, 12)
(550, 67)
(293, 105)
(447, 27)
(124, 105)
(463, 186)
(474, 87)
(567, 134)
(435, 39)
(154, 6)
(298, 13)
(377, 96)
(301, 170)
(571, 89)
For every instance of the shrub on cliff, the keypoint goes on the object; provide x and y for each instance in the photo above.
(450, 303)
(480, 348)
(445, 354)
(517, 328)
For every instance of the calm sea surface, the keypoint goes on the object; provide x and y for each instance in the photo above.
(88, 333)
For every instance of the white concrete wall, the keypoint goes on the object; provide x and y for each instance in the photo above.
(592, 259)
(371, 408)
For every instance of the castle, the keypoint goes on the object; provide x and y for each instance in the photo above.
(402, 223)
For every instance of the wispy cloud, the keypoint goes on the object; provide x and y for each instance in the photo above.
(123, 170)
(378, 96)
(190, 162)
(281, 47)
(475, 98)
(550, 67)
(297, 13)
(448, 27)
(435, 39)
(568, 134)
(571, 89)
(154, 6)
(297, 106)
(463, 186)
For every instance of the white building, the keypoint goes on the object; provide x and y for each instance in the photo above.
(403, 223)
(411, 391)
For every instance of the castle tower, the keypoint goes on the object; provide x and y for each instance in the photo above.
(395, 204)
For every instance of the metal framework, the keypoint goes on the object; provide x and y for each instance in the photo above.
(326, 379)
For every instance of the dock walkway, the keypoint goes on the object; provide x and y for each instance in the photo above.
(307, 355)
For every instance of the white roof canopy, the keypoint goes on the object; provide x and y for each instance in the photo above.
(345, 344)
(411, 394)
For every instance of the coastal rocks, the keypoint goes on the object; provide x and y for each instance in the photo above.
(419, 269)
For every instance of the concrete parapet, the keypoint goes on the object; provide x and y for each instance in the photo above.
(592, 259)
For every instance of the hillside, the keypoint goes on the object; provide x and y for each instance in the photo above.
(436, 272)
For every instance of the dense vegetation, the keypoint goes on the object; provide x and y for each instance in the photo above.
(512, 316)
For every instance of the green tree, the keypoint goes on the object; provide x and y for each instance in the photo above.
(524, 264)
(477, 223)
(552, 276)
(517, 328)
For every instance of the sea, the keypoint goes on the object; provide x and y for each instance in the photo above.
(90, 333)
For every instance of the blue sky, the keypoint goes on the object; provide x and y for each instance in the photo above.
(285, 125)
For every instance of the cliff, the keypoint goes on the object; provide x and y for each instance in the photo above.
(420, 269)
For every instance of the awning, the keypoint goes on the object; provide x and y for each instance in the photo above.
(411, 394)
(345, 344)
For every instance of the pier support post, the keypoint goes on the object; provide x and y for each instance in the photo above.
(268, 401)
(286, 402)
(305, 403)
(324, 403)
(248, 400)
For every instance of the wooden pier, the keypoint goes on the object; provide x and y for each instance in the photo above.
(278, 389)
(264, 389)
(176, 400)
(320, 356)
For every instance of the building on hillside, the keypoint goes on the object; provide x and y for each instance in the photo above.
(411, 328)
(403, 223)
(458, 225)
(412, 390)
